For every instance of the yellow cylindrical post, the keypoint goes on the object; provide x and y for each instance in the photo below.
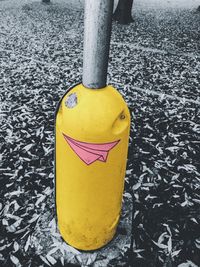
(92, 133)
(91, 153)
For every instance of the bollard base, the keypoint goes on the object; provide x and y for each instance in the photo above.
(86, 241)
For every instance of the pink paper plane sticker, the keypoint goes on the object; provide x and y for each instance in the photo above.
(90, 152)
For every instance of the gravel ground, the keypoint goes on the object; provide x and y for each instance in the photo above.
(154, 63)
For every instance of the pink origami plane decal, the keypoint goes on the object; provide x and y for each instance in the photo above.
(90, 152)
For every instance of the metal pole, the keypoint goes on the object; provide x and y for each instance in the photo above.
(97, 32)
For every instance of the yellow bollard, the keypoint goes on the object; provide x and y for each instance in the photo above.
(92, 132)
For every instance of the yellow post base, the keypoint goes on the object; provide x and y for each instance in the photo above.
(92, 131)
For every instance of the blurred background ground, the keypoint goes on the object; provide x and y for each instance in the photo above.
(154, 63)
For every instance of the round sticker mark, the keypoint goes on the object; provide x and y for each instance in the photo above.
(71, 101)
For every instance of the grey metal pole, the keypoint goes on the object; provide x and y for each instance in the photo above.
(97, 32)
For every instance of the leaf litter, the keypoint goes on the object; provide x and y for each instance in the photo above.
(163, 174)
